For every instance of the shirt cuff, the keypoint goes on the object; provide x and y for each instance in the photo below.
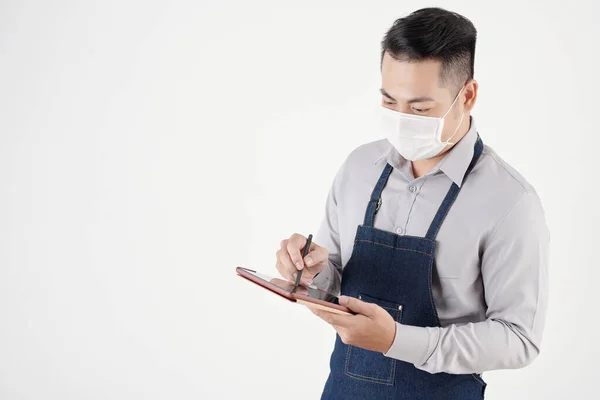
(411, 344)
(322, 280)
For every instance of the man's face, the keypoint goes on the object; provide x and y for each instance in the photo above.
(415, 88)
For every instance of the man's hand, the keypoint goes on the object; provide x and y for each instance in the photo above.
(373, 328)
(289, 259)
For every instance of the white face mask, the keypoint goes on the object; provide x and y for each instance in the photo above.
(416, 137)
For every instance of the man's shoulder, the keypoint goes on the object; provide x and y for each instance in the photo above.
(500, 185)
(499, 172)
(502, 191)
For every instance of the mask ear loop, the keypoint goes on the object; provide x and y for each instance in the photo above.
(452, 105)
(447, 142)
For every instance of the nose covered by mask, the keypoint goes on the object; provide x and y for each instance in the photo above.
(416, 137)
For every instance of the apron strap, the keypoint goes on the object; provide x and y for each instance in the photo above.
(452, 194)
(375, 201)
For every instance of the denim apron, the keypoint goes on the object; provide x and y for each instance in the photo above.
(395, 272)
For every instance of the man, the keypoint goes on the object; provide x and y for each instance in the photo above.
(438, 245)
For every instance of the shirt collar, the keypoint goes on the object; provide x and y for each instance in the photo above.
(454, 164)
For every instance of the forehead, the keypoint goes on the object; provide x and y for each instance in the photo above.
(404, 79)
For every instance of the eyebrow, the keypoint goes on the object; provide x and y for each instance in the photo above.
(415, 100)
(386, 94)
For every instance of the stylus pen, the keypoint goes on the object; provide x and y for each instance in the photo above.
(306, 249)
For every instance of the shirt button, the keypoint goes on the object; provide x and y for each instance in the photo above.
(399, 231)
(412, 188)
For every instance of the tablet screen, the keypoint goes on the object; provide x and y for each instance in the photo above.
(287, 286)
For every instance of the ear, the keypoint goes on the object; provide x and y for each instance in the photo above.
(470, 94)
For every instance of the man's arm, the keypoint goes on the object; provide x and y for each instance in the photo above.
(514, 268)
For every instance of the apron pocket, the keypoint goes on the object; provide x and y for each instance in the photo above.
(369, 365)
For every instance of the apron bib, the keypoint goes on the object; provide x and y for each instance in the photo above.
(395, 272)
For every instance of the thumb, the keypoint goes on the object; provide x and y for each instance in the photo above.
(357, 305)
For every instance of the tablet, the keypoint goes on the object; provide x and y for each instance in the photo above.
(306, 295)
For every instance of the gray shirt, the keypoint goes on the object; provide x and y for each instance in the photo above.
(490, 283)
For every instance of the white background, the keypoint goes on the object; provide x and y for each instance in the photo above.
(148, 148)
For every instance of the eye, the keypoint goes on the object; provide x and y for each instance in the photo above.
(388, 102)
(421, 110)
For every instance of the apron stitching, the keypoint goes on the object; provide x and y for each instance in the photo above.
(401, 236)
(347, 357)
(369, 378)
(393, 372)
(392, 247)
(478, 379)
(430, 274)
(364, 378)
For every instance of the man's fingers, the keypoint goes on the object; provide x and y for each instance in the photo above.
(332, 318)
(284, 272)
(358, 306)
(316, 256)
(294, 246)
(290, 258)
(285, 266)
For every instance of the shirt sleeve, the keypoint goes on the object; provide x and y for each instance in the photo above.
(328, 236)
(514, 269)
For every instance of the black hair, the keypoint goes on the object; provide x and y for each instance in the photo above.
(438, 34)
